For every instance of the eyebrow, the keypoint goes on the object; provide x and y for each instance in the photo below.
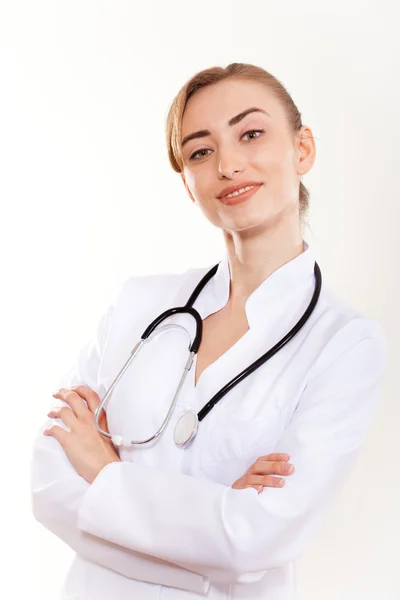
(232, 121)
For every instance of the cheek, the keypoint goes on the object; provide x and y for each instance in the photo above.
(277, 163)
(190, 180)
(198, 183)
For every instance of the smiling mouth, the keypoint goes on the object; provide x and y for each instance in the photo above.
(241, 191)
(240, 195)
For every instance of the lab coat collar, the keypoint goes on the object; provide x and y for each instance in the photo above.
(273, 294)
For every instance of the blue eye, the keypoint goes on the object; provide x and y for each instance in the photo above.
(260, 131)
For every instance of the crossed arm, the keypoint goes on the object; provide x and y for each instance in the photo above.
(177, 530)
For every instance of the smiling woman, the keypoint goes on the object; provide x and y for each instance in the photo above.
(273, 126)
(279, 369)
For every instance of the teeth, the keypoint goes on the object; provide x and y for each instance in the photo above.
(245, 189)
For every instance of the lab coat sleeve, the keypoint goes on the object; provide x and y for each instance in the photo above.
(233, 535)
(57, 491)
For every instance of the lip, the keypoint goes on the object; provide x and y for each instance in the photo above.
(237, 186)
(242, 197)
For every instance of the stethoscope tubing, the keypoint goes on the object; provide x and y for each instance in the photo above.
(265, 357)
(150, 332)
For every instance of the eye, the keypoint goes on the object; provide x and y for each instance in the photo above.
(260, 131)
(198, 152)
(252, 133)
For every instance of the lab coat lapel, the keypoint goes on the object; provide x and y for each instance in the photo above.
(271, 310)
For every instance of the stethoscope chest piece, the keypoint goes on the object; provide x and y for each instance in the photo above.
(186, 428)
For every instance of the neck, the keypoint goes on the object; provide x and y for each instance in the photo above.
(254, 255)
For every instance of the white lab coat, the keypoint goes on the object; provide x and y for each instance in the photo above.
(165, 522)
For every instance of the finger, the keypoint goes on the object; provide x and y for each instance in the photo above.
(265, 481)
(275, 457)
(89, 395)
(58, 433)
(93, 401)
(264, 467)
(65, 414)
(73, 400)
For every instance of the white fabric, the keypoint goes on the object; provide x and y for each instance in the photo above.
(165, 523)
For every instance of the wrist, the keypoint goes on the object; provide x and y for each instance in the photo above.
(102, 466)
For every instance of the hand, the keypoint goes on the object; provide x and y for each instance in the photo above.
(260, 474)
(87, 450)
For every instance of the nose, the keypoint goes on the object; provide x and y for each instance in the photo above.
(229, 163)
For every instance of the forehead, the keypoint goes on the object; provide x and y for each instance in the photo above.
(212, 106)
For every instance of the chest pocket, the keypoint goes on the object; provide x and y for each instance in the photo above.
(233, 440)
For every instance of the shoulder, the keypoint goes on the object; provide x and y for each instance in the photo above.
(159, 289)
(344, 330)
(137, 301)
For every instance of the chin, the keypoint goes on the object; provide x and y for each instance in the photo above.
(251, 227)
(249, 222)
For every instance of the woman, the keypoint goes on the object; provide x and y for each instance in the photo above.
(162, 520)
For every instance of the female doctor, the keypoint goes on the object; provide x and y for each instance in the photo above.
(181, 516)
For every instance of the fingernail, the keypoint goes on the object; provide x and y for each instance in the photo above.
(281, 482)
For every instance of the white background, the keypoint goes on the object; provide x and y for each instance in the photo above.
(88, 199)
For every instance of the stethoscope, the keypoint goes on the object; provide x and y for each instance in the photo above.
(187, 426)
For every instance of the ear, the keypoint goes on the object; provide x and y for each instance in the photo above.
(187, 188)
(306, 150)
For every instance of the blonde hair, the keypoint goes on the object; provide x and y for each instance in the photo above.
(212, 76)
